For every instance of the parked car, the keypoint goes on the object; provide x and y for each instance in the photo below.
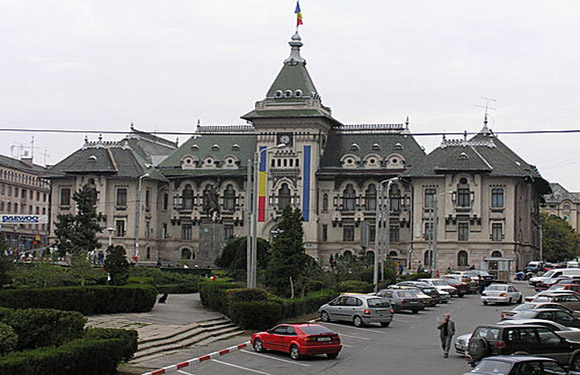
(360, 309)
(537, 305)
(570, 287)
(402, 300)
(441, 285)
(534, 266)
(298, 340)
(569, 333)
(472, 285)
(439, 295)
(553, 315)
(501, 293)
(488, 279)
(570, 300)
(548, 292)
(554, 274)
(505, 339)
(545, 285)
(518, 365)
(426, 300)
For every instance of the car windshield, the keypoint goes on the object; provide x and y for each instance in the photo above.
(549, 273)
(440, 282)
(492, 367)
(526, 314)
(406, 294)
(378, 302)
(428, 290)
(496, 287)
(524, 306)
(315, 330)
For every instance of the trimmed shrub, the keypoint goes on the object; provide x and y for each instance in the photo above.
(8, 339)
(129, 339)
(99, 299)
(292, 308)
(86, 357)
(246, 295)
(177, 289)
(355, 286)
(45, 327)
(258, 315)
(140, 280)
(213, 295)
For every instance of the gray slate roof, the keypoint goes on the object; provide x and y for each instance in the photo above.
(6, 161)
(559, 194)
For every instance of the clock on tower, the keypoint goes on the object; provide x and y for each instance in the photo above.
(285, 138)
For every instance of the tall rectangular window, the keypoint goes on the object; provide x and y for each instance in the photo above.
(372, 234)
(228, 232)
(463, 231)
(348, 233)
(65, 196)
(496, 232)
(165, 201)
(394, 233)
(497, 200)
(429, 197)
(463, 198)
(1, 206)
(147, 200)
(324, 232)
(119, 228)
(325, 202)
(121, 198)
(2, 189)
(164, 231)
(428, 230)
(147, 228)
(186, 232)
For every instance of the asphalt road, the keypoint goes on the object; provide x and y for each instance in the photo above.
(410, 345)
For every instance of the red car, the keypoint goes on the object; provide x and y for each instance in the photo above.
(298, 340)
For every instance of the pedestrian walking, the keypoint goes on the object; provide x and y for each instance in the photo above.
(446, 332)
(480, 284)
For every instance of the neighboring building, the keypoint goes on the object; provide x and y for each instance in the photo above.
(564, 204)
(123, 174)
(23, 191)
(331, 172)
(487, 203)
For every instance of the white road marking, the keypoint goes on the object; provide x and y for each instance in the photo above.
(184, 373)
(361, 329)
(274, 358)
(347, 346)
(355, 337)
(240, 367)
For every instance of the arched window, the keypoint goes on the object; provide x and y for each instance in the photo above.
(395, 198)
(229, 198)
(186, 253)
(370, 256)
(325, 202)
(349, 198)
(347, 254)
(371, 198)
(283, 196)
(148, 252)
(462, 258)
(427, 259)
(496, 254)
(187, 196)
(393, 253)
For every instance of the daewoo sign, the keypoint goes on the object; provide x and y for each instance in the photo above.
(23, 219)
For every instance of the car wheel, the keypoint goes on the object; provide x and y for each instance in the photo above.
(460, 295)
(415, 311)
(358, 322)
(324, 316)
(332, 355)
(575, 363)
(295, 353)
(520, 300)
(385, 324)
(485, 302)
(258, 346)
(510, 301)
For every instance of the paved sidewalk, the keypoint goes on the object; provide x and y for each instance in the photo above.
(180, 310)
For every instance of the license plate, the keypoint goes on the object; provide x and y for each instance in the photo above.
(324, 339)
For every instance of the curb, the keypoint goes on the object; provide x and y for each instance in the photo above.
(165, 370)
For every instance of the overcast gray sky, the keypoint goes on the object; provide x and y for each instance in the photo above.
(102, 64)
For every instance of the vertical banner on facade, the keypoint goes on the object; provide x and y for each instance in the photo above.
(262, 187)
(306, 184)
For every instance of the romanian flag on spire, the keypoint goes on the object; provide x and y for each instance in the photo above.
(298, 14)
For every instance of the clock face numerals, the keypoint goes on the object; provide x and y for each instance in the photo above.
(285, 139)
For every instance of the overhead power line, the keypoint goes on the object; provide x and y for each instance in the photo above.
(418, 134)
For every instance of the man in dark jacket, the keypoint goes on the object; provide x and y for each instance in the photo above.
(446, 332)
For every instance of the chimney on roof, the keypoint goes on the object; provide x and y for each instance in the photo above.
(27, 159)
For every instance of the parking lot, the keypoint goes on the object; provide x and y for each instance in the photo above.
(410, 345)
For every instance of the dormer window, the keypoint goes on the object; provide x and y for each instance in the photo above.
(288, 93)
(195, 147)
(398, 146)
(92, 158)
(463, 156)
(279, 93)
(376, 147)
(298, 93)
(236, 147)
(208, 161)
(354, 147)
(215, 147)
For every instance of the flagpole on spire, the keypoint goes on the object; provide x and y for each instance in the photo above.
(298, 12)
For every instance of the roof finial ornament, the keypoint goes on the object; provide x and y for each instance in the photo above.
(132, 126)
(100, 138)
(486, 112)
(407, 122)
(295, 44)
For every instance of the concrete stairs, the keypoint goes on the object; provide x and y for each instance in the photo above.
(199, 334)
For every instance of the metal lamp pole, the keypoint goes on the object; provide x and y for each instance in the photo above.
(253, 259)
(378, 232)
(137, 216)
(434, 227)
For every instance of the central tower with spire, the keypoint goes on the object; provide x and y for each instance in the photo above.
(292, 113)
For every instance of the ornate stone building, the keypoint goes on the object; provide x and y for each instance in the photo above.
(330, 171)
(564, 204)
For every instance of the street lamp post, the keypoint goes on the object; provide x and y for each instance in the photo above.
(137, 217)
(434, 226)
(253, 250)
(378, 233)
(110, 230)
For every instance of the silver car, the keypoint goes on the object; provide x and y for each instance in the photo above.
(360, 309)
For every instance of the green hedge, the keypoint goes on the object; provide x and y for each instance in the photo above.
(213, 295)
(128, 337)
(292, 308)
(86, 357)
(177, 289)
(44, 327)
(355, 286)
(257, 315)
(8, 339)
(87, 300)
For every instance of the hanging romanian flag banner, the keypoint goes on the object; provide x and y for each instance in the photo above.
(262, 177)
(298, 14)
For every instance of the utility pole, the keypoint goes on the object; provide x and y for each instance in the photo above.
(137, 217)
(380, 229)
(249, 222)
(434, 225)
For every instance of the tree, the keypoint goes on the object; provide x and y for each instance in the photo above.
(6, 263)
(116, 265)
(288, 260)
(78, 233)
(559, 240)
(234, 254)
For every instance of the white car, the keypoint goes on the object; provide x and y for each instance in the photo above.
(440, 285)
(501, 293)
(572, 334)
(543, 293)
